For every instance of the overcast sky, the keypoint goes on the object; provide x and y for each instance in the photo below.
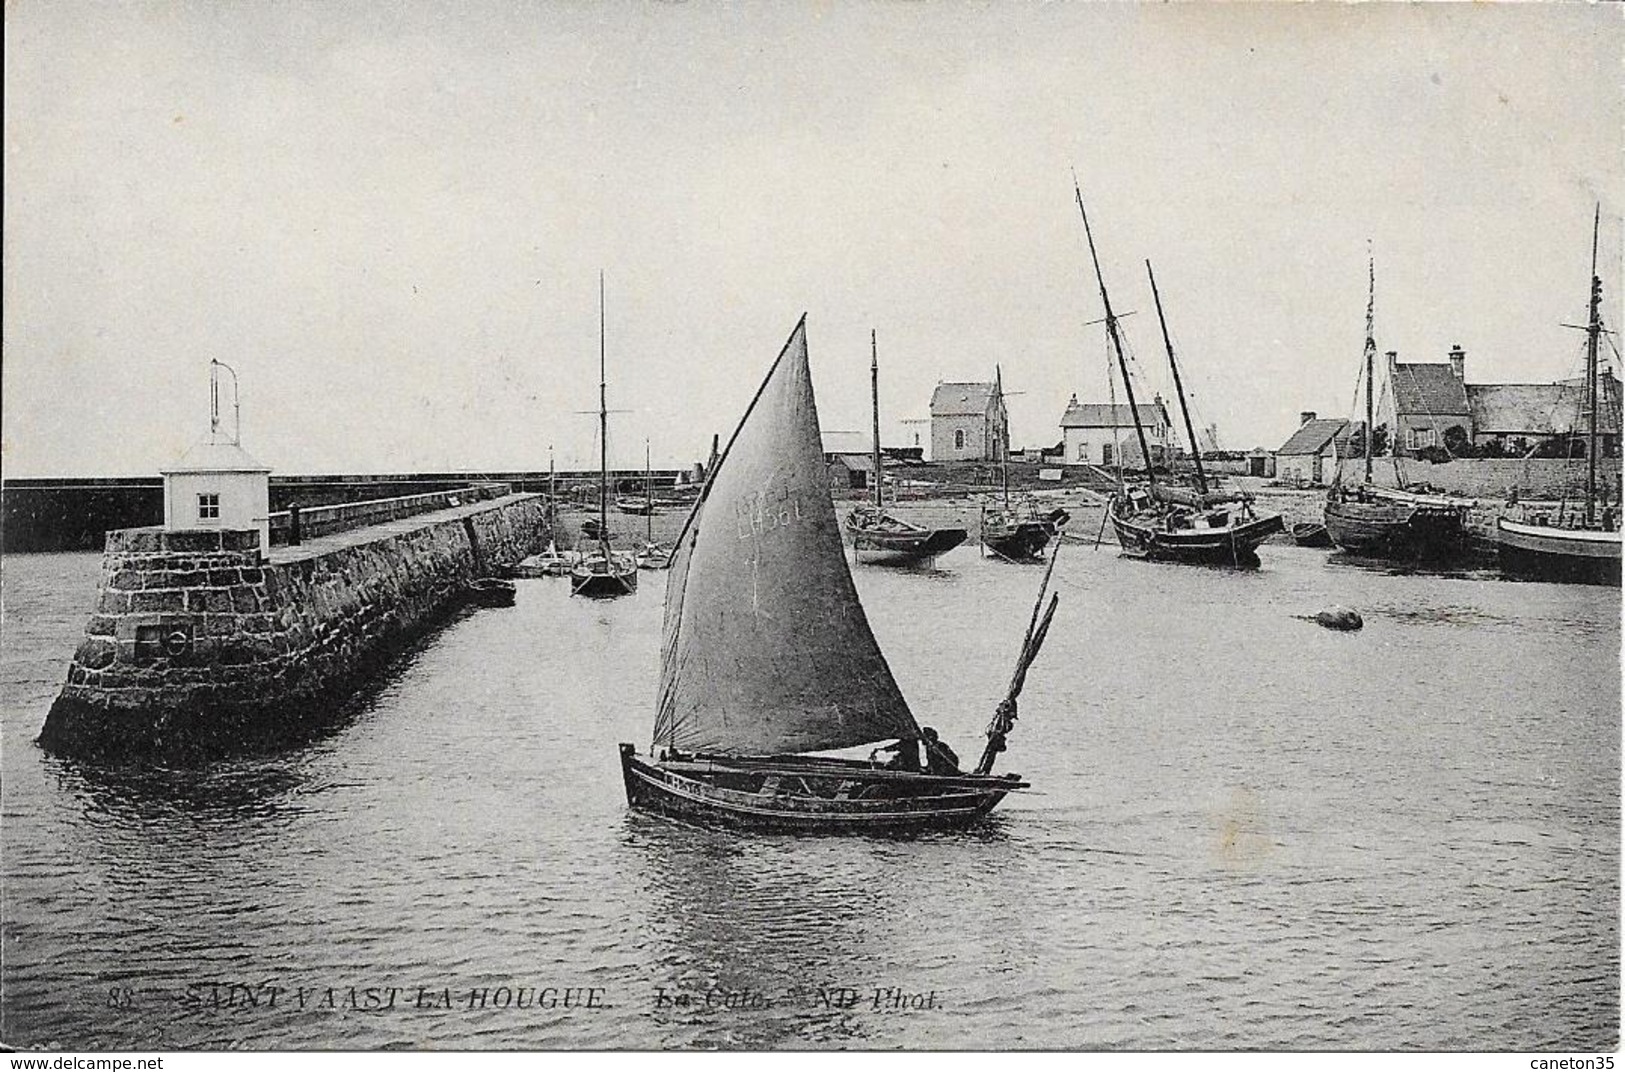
(390, 218)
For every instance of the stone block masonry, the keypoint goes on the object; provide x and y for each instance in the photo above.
(198, 645)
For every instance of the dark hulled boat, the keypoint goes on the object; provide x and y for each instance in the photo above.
(879, 536)
(1167, 523)
(1381, 522)
(1585, 549)
(767, 655)
(600, 570)
(1019, 532)
(1310, 534)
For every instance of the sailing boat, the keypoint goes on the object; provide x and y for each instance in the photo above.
(1016, 530)
(884, 538)
(1383, 522)
(767, 656)
(601, 570)
(1584, 549)
(551, 562)
(1174, 524)
(652, 555)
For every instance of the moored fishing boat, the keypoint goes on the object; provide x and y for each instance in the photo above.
(1578, 547)
(767, 656)
(1015, 529)
(601, 570)
(1167, 523)
(1381, 522)
(879, 536)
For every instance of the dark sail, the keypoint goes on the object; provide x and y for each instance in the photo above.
(766, 647)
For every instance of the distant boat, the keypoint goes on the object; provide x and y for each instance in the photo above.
(1581, 548)
(652, 555)
(1015, 529)
(637, 505)
(879, 536)
(1382, 522)
(601, 570)
(1310, 534)
(767, 656)
(1163, 522)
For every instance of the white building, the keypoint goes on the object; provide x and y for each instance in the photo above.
(1095, 433)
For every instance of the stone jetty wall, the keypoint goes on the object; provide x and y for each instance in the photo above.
(197, 646)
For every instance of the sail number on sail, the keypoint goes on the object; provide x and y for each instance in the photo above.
(759, 513)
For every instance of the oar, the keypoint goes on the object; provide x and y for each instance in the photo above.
(1004, 716)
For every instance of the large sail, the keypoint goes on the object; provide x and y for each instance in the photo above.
(766, 647)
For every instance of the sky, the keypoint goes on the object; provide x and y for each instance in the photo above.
(390, 218)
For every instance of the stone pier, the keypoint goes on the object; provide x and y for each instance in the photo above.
(199, 644)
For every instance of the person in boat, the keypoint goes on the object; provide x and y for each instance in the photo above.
(906, 755)
(939, 758)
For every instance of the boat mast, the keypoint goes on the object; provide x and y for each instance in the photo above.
(1593, 330)
(1179, 389)
(648, 493)
(1370, 363)
(874, 395)
(1001, 443)
(1117, 342)
(603, 431)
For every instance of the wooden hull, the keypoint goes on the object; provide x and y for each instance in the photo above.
(808, 796)
(1396, 530)
(1231, 545)
(601, 583)
(1026, 540)
(1309, 534)
(637, 507)
(1544, 553)
(904, 548)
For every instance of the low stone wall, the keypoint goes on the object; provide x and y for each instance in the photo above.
(1493, 478)
(318, 521)
(197, 647)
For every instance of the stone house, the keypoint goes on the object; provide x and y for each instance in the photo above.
(1094, 433)
(1518, 417)
(1310, 455)
(1424, 401)
(850, 471)
(969, 422)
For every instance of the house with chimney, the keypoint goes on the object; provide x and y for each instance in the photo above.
(1094, 433)
(1311, 454)
(1424, 401)
(1429, 404)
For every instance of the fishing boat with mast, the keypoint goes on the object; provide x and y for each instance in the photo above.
(1158, 520)
(1583, 548)
(767, 657)
(652, 555)
(601, 570)
(1016, 530)
(1370, 519)
(880, 536)
(551, 562)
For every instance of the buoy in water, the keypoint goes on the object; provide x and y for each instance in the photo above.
(1340, 618)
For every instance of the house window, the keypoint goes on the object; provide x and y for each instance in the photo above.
(208, 506)
(1083, 452)
(1105, 454)
(959, 439)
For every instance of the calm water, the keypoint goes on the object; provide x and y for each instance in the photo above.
(1245, 832)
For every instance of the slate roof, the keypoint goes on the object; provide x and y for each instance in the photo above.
(1428, 390)
(857, 463)
(1104, 415)
(1540, 408)
(211, 456)
(961, 399)
(1315, 434)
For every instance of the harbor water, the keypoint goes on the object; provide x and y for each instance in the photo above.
(1244, 832)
